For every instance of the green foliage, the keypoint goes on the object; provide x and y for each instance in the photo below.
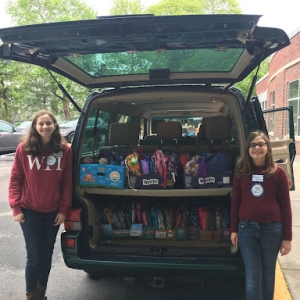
(126, 7)
(26, 89)
(179, 7)
(245, 84)
(191, 7)
(25, 12)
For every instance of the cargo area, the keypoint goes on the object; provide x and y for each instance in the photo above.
(160, 183)
(152, 226)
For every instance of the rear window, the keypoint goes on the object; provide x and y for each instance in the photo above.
(133, 63)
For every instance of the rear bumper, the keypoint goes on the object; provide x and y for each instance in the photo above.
(153, 265)
(228, 268)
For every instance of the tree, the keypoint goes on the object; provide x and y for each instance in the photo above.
(36, 88)
(25, 12)
(245, 84)
(126, 7)
(190, 7)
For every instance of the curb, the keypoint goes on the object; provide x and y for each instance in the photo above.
(281, 289)
(7, 157)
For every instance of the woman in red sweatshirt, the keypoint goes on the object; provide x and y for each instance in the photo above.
(261, 218)
(40, 191)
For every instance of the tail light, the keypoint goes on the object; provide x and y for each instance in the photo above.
(73, 220)
(69, 243)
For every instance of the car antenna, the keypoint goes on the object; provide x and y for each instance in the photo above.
(65, 92)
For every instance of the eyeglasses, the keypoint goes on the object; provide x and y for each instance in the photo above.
(260, 145)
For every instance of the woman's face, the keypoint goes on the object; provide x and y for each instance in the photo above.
(45, 127)
(258, 150)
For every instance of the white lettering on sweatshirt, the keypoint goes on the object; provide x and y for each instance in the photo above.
(39, 163)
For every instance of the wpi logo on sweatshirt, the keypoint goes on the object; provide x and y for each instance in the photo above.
(50, 162)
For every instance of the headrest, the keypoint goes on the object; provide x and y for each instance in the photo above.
(218, 128)
(122, 134)
(169, 130)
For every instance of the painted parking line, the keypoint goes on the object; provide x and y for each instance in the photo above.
(281, 288)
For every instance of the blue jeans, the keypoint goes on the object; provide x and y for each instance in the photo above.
(40, 236)
(259, 244)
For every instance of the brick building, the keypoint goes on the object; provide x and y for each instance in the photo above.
(281, 87)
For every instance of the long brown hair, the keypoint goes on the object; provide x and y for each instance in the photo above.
(246, 167)
(32, 141)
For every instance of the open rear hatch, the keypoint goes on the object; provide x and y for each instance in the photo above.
(141, 50)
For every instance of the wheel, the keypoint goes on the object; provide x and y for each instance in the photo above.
(71, 137)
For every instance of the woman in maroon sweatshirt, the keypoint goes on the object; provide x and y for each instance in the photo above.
(40, 191)
(261, 218)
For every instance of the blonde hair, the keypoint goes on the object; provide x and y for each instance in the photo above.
(246, 167)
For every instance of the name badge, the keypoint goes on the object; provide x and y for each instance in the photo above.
(51, 160)
(257, 190)
(58, 154)
(257, 178)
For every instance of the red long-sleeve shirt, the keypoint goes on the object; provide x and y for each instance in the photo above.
(262, 201)
(41, 183)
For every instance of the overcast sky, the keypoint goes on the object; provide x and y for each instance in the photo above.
(284, 15)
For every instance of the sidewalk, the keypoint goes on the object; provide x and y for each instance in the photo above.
(290, 264)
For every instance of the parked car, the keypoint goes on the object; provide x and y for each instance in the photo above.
(148, 68)
(24, 125)
(67, 129)
(10, 136)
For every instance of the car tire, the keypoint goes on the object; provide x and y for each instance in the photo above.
(71, 137)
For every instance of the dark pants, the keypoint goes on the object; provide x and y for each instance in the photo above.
(259, 244)
(40, 236)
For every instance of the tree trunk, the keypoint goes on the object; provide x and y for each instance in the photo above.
(66, 108)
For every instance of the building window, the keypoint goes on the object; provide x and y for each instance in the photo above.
(272, 106)
(293, 100)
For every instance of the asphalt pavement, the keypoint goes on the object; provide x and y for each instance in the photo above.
(290, 264)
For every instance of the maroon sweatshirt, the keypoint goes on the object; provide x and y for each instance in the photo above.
(41, 183)
(260, 199)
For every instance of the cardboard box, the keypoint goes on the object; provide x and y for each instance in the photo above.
(107, 232)
(100, 175)
(225, 234)
(136, 230)
(150, 181)
(149, 232)
(212, 180)
(160, 234)
(181, 233)
(170, 234)
(225, 179)
(121, 233)
(164, 234)
(210, 235)
(193, 233)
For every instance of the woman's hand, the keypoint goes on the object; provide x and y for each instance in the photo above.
(286, 247)
(234, 238)
(60, 218)
(19, 218)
